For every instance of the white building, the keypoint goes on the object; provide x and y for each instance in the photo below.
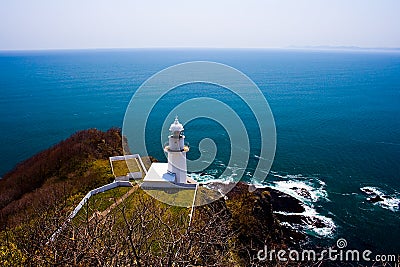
(174, 173)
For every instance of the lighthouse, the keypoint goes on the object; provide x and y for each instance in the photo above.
(174, 173)
(177, 150)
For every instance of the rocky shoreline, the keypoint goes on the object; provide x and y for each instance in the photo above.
(292, 214)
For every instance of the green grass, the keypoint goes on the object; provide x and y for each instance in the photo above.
(174, 197)
(122, 167)
(103, 200)
(205, 196)
(180, 214)
(100, 202)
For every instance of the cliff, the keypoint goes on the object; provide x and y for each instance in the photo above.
(40, 192)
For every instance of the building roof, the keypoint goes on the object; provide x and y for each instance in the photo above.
(158, 172)
(176, 126)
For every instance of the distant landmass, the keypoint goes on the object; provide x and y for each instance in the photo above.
(329, 47)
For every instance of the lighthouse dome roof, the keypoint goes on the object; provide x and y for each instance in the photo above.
(176, 126)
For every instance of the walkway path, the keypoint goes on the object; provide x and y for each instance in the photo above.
(116, 203)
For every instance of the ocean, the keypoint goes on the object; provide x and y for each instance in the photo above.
(337, 116)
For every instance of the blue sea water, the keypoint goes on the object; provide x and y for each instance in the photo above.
(337, 117)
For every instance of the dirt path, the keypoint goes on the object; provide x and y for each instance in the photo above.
(102, 214)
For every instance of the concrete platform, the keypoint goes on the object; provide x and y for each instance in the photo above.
(159, 177)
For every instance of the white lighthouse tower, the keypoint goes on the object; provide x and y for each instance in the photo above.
(176, 150)
(174, 173)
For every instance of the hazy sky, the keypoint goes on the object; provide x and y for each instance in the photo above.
(58, 24)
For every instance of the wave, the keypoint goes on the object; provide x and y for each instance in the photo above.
(310, 191)
(209, 176)
(305, 189)
(259, 157)
(312, 222)
(379, 197)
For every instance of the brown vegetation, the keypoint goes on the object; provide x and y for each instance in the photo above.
(71, 167)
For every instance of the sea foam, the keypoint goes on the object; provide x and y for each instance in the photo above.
(388, 201)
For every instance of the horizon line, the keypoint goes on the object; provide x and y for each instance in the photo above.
(291, 47)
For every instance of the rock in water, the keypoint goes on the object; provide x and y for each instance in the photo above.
(302, 192)
(375, 199)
